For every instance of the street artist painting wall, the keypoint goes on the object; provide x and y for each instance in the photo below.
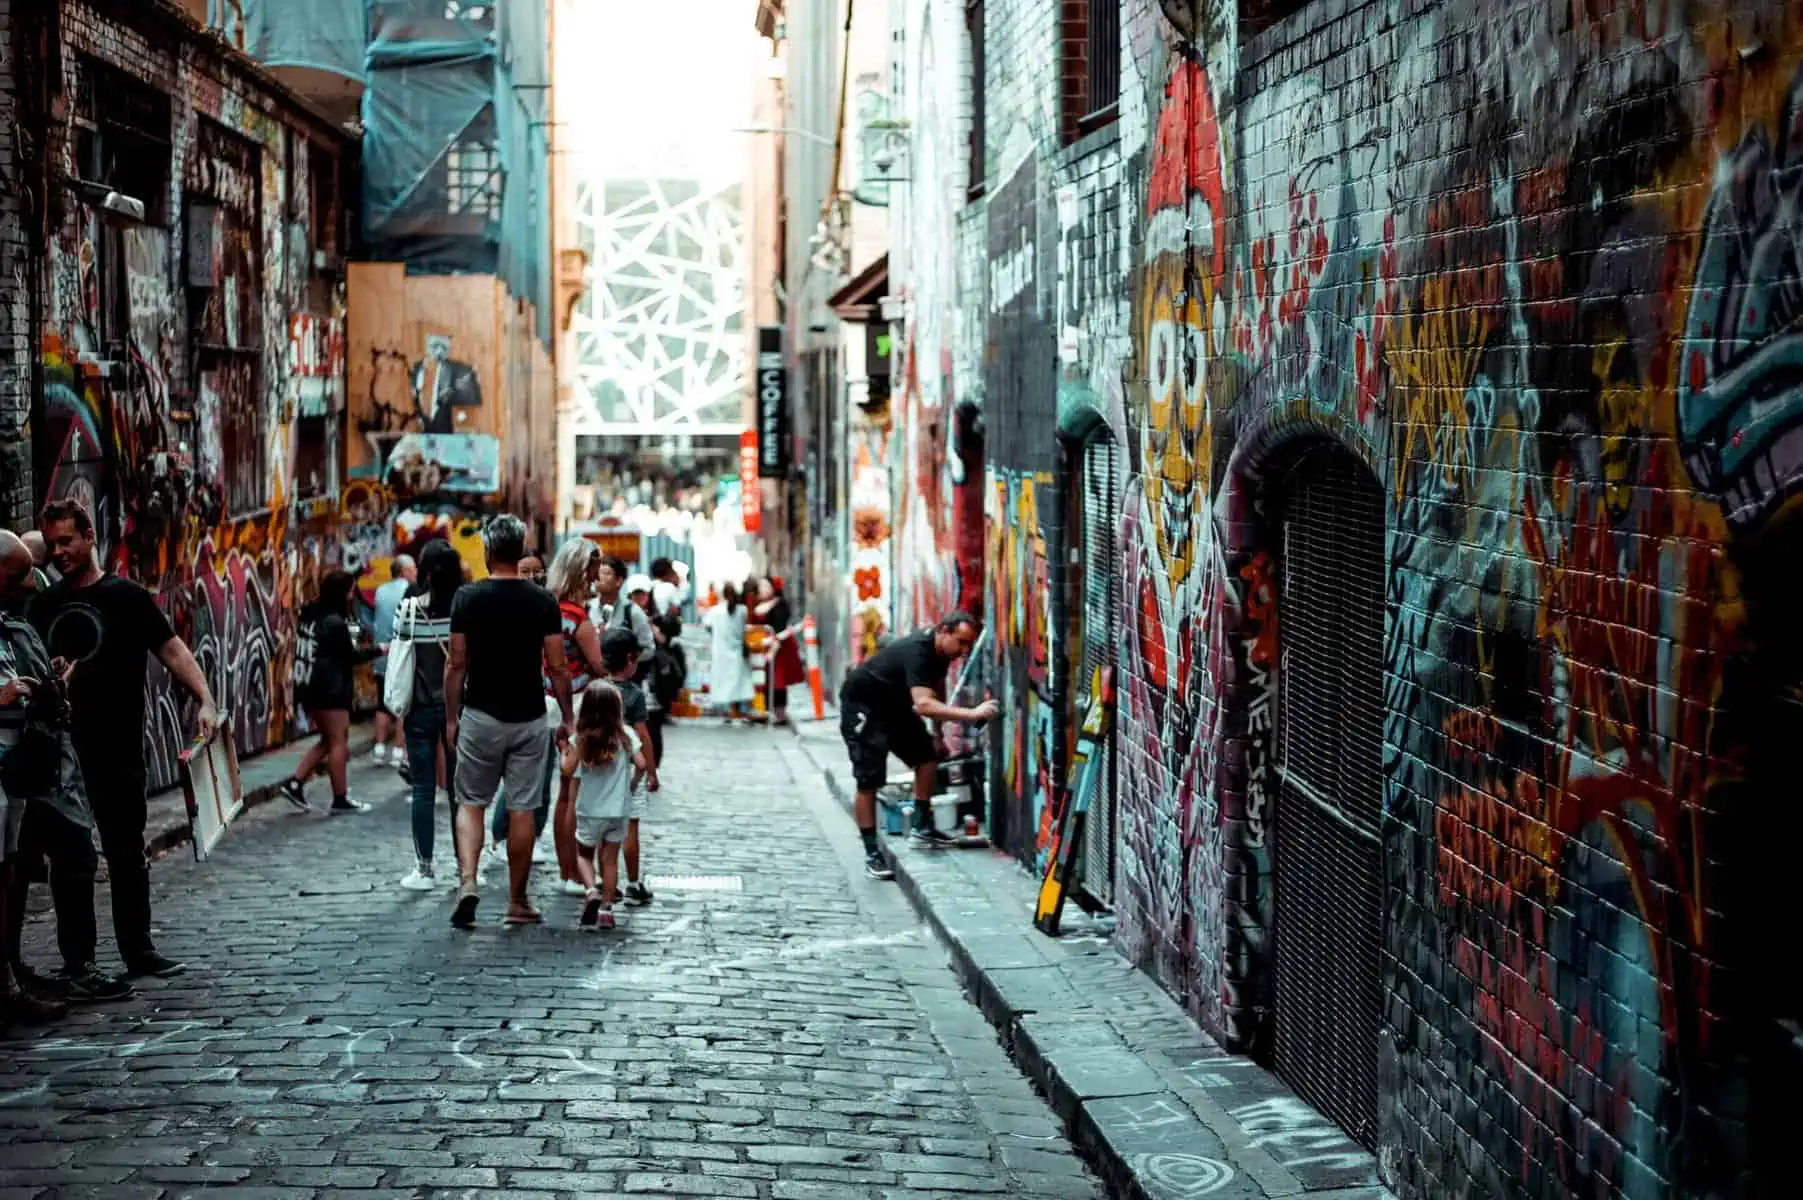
(190, 360)
(1524, 284)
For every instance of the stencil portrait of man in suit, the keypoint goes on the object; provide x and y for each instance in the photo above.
(442, 385)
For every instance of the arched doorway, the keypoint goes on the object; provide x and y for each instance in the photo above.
(1327, 918)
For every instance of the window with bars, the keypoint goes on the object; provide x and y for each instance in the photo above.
(473, 179)
(1090, 83)
(973, 22)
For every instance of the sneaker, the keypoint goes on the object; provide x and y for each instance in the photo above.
(420, 879)
(933, 839)
(571, 887)
(296, 792)
(591, 910)
(154, 964)
(406, 772)
(636, 894)
(48, 987)
(464, 915)
(87, 983)
(604, 919)
(877, 867)
(23, 1008)
(347, 805)
(379, 754)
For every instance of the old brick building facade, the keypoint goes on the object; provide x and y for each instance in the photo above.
(172, 232)
(1402, 400)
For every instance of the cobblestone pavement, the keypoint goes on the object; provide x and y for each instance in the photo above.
(775, 1025)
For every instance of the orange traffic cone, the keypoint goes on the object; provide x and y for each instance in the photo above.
(811, 639)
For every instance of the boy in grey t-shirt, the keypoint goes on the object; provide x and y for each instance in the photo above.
(620, 655)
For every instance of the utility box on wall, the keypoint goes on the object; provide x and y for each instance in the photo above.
(205, 245)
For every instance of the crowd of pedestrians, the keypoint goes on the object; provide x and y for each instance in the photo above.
(533, 699)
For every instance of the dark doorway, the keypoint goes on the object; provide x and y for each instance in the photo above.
(1328, 895)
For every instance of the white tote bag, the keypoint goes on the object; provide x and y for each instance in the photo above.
(397, 687)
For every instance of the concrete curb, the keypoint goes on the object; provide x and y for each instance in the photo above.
(174, 830)
(1154, 1105)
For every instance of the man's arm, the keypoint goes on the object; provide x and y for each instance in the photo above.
(560, 679)
(175, 655)
(928, 704)
(456, 661)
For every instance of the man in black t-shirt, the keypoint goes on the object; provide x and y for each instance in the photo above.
(103, 629)
(881, 710)
(494, 695)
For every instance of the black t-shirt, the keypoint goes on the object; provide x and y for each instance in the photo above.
(885, 682)
(505, 623)
(108, 630)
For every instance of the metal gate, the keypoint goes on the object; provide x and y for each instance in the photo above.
(1328, 903)
(1101, 630)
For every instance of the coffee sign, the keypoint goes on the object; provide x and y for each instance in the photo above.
(773, 402)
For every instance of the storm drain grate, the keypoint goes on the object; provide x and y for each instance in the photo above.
(697, 883)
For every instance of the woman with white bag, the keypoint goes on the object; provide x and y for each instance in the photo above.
(414, 692)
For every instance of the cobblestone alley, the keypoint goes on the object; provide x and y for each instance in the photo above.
(774, 1025)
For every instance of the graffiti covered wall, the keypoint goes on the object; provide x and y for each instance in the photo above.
(171, 357)
(1536, 270)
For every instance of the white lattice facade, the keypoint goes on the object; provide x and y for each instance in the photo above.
(659, 347)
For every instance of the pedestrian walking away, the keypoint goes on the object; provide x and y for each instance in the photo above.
(325, 660)
(574, 569)
(423, 622)
(619, 651)
(882, 710)
(402, 573)
(601, 764)
(495, 710)
(104, 630)
(729, 682)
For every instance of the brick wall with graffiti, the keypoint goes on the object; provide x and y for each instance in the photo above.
(1535, 273)
(191, 362)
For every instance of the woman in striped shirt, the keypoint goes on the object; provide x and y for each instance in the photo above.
(424, 618)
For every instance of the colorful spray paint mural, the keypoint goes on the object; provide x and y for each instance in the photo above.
(1534, 267)
(169, 404)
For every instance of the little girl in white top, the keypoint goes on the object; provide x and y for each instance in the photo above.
(605, 760)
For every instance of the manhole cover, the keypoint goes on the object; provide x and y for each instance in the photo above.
(698, 883)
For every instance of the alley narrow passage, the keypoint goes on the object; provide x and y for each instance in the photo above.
(773, 1025)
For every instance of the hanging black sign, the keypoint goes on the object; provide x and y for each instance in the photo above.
(773, 402)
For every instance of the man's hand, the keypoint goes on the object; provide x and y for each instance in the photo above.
(65, 670)
(986, 710)
(15, 690)
(651, 780)
(206, 721)
(565, 732)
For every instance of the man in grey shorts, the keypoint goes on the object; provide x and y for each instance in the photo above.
(494, 697)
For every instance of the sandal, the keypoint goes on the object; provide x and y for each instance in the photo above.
(522, 914)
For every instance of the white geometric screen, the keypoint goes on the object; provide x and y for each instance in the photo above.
(659, 342)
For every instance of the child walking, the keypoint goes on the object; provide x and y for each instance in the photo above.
(604, 759)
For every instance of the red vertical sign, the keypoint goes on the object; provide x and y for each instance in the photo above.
(750, 494)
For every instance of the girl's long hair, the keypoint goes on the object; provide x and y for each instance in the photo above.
(601, 725)
(568, 576)
(440, 575)
(730, 594)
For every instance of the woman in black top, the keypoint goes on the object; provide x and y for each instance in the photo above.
(324, 661)
(786, 669)
(424, 619)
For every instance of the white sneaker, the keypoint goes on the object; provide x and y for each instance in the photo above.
(420, 880)
(570, 887)
(379, 754)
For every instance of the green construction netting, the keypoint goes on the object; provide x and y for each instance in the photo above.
(455, 138)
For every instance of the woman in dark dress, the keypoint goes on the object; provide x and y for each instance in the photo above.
(786, 669)
(324, 663)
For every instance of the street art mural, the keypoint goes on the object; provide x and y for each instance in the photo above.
(1567, 351)
(872, 588)
(1022, 644)
(172, 382)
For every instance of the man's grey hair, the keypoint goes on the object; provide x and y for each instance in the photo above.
(399, 566)
(504, 539)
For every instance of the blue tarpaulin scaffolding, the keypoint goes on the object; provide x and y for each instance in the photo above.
(456, 153)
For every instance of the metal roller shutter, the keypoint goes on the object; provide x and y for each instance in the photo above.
(1328, 904)
(1101, 630)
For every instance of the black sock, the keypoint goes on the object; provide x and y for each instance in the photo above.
(869, 836)
(341, 799)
